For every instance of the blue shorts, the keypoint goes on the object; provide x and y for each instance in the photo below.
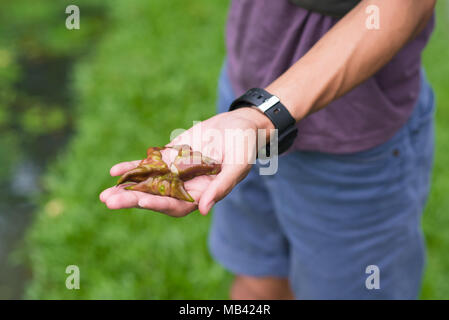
(323, 219)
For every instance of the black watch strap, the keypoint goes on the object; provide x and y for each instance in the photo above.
(268, 104)
(272, 107)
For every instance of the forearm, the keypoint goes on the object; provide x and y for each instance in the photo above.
(349, 54)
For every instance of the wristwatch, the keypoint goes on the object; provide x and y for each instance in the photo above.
(272, 107)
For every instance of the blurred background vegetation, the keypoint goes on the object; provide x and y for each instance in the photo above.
(73, 103)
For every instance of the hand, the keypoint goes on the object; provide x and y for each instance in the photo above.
(118, 198)
(206, 190)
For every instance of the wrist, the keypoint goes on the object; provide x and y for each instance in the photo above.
(298, 110)
(260, 120)
(268, 113)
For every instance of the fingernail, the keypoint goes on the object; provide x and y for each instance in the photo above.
(142, 203)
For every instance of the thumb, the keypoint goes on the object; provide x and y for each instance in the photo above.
(225, 181)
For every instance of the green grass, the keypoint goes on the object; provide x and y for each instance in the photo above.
(436, 217)
(154, 70)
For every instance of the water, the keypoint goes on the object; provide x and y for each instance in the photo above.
(29, 148)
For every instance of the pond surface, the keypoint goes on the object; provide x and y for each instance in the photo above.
(39, 126)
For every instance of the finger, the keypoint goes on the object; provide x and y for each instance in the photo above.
(170, 206)
(119, 198)
(121, 168)
(122, 200)
(225, 181)
(107, 193)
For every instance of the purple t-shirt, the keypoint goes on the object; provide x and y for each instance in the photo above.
(266, 37)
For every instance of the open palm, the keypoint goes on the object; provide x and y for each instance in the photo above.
(117, 197)
(205, 190)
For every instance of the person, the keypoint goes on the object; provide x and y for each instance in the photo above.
(341, 217)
